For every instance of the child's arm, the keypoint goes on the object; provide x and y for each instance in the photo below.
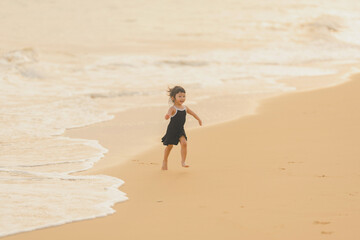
(194, 114)
(169, 113)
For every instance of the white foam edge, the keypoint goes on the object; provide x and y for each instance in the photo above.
(64, 175)
(344, 77)
(107, 205)
(118, 197)
(62, 130)
(353, 70)
(89, 161)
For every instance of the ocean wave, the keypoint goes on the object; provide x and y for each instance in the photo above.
(40, 99)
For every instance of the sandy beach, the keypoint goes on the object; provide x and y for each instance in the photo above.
(83, 99)
(290, 171)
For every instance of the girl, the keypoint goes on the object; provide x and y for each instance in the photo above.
(175, 131)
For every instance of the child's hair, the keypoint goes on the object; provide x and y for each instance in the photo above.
(173, 91)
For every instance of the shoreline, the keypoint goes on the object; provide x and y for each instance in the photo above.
(246, 106)
(306, 140)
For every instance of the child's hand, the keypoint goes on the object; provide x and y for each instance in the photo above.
(167, 116)
(200, 122)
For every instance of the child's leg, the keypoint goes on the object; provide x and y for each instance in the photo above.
(183, 151)
(166, 155)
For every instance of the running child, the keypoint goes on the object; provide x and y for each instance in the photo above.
(175, 132)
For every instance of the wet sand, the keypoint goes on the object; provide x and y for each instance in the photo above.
(291, 171)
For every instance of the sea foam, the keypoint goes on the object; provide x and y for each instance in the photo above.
(41, 99)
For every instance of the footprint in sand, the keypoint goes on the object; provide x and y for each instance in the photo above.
(323, 223)
(138, 162)
(320, 222)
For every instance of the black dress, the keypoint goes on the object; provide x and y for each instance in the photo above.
(175, 128)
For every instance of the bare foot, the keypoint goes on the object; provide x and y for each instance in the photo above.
(164, 166)
(184, 165)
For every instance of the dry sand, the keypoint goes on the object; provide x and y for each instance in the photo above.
(291, 171)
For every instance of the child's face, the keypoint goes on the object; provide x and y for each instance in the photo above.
(180, 98)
